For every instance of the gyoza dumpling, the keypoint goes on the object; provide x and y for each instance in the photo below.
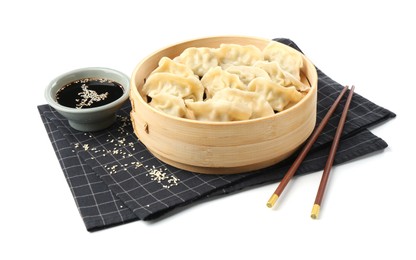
(217, 78)
(168, 65)
(277, 96)
(247, 73)
(279, 76)
(199, 60)
(234, 54)
(217, 110)
(169, 104)
(163, 82)
(289, 59)
(255, 102)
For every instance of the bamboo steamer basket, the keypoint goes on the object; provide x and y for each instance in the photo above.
(221, 147)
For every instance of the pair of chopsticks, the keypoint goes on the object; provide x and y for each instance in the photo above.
(292, 170)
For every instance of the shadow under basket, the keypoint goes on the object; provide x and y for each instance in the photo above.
(221, 147)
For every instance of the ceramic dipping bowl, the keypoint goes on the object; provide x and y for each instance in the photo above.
(85, 117)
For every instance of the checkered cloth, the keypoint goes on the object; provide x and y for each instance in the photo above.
(114, 179)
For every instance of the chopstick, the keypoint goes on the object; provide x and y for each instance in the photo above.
(292, 170)
(325, 175)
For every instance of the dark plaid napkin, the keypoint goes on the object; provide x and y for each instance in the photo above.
(114, 179)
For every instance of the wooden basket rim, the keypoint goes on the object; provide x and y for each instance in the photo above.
(135, 91)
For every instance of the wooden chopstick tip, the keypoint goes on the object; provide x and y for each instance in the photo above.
(272, 200)
(315, 211)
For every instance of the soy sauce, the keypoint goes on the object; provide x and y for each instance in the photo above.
(89, 93)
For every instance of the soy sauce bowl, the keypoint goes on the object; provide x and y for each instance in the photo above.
(88, 119)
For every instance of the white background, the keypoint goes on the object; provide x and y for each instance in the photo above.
(368, 210)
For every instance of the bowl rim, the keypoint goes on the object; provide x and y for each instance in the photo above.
(133, 86)
(49, 94)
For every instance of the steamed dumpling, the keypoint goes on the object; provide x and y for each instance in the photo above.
(247, 73)
(234, 54)
(277, 96)
(170, 66)
(229, 83)
(183, 87)
(169, 104)
(217, 110)
(289, 59)
(217, 78)
(199, 60)
(255, 102)
(279, 76)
